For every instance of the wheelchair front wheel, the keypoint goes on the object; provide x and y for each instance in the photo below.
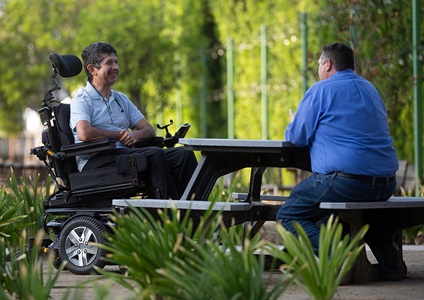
(77, 248)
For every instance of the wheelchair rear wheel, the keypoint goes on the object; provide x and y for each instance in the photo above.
(76, 245)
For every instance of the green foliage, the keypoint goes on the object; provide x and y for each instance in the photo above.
(21, 209)
(23, 276)
(319, 276)
(177, 49)
(220, 271)
(27, 197)
(410, 235)
(284, 52)
(225, 186)
(168, 256)
(10, 217)
(147, 242)
(21, 264)
(158, 48)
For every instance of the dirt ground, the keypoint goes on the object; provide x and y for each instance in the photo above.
(411, 287)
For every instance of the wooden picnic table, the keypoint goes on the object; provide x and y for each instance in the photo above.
(224, 156)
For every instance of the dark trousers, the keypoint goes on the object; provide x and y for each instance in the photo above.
(168, 170)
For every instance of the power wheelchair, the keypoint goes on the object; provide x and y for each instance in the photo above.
(77, 212)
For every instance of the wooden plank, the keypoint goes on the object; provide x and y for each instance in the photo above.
(394, 202)
(181, 204)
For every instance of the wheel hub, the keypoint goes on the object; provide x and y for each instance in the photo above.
(79, 246)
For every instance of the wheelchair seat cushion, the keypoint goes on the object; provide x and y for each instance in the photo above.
(121, 172)
(97, 178)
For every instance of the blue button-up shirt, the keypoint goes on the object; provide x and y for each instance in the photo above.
(117, 113)
(343, 121)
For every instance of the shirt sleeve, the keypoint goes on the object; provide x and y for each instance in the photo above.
(301, 131)
(79, 111)
(134, 115)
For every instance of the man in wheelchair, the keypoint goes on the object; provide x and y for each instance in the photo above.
(99, 148)
(98, 111)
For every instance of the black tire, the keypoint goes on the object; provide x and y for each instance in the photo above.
(76, 248)
(57, 262)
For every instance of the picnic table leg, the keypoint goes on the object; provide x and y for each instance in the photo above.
(385, 242)
(362, 270)
(254, 193)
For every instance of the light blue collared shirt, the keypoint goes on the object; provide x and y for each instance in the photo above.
(117, 113)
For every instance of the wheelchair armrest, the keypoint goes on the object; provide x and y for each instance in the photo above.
(154, 142)
(182, 131)
(89, 147)
(168, 142)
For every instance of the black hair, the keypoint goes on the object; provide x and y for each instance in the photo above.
(340, 54)
(93, 55)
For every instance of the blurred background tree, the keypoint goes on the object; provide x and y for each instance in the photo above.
(172, 56)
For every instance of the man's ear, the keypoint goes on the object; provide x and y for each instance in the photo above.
(328, 65)
(90, 69)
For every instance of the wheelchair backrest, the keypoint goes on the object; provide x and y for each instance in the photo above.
(57, 134)
(62, 113)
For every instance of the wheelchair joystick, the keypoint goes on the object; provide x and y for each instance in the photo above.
(168, 135)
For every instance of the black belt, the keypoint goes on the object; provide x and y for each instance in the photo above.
(368, 179)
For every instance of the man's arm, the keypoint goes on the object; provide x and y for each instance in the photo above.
(142, 130)
(301, 130)
(87, 133)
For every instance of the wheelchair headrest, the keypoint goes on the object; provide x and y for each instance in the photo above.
(66, 65)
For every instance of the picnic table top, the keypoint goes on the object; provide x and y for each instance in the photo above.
(225, 145)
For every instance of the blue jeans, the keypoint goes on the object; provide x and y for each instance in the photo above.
(302, 206)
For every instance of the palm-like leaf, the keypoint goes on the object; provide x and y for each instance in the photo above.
(319, 277)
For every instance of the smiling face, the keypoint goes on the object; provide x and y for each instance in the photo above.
(106, 74)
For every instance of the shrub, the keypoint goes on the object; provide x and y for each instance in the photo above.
(21, 267)
(167, 256)
(10, 218)
(319, 277)
(22, 277)
(29, 193)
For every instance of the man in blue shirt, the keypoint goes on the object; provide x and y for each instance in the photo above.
(343, 121)
(97, 111)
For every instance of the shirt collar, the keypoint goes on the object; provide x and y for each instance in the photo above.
(94, 94)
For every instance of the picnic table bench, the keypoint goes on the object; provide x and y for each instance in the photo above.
(387, 219)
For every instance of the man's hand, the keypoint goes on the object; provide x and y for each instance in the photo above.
(127, 138)
(292, 114)
(142, 130)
